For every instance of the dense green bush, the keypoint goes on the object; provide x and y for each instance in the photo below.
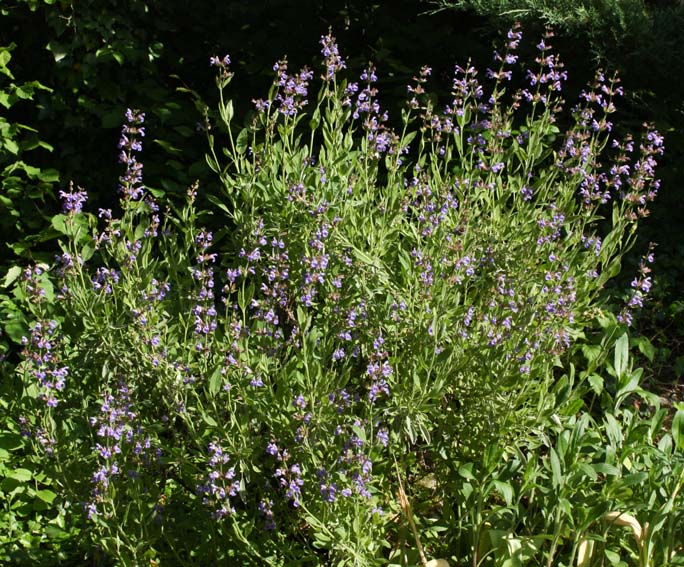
(366, 347)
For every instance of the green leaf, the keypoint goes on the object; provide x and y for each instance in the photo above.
(11, 146)
(588, 471)
(46, 496)
(168, 147)
(106, 53)
(48, 175)
(621, 355)
(10, 441)
(506, 491)
(556, 475)
(5, 56)
(16, 329)
(242, 141)
(209, 420)
(59, 224)
(636, 478)
(59, 52)
(605, 468)
(315, 119)
(646, 348)
(22, 475)
(12, 274)
(678, 428)
(596, 383)
(53, 532)
(466, 471)
(226, 111)
(87, 251)
(215, 381)
(613, 430)
(360, 433)
(591, 352)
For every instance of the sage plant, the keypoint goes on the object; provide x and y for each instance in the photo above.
(379, 302)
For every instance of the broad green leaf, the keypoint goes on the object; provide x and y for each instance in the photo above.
(168, 147)
(16, 329)
(605, 468)
(646, 348)
(215, 381)
(506, 491)
(12, 274)
(556, 474)
(678, 427)
(596, 383)
(209, 420)
(59, 224)
(22, 475)
(10, 441)
(11, 146)
(242, 141)
(466, 471)
(613, 430)
(621, 355)
(46, 496)
(226, 111)
(59, 52)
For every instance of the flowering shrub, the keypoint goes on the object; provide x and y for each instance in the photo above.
(378, 304)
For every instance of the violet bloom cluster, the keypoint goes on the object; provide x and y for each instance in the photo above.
(223, 65)
(220, 483)
(379, 370)
(641, 286)
(265, 508)
(130, 184)
(381, 138)
(642, 187)
(315, 265)
(356, 465)
(104, 278)
(120, 439)
(333, 60)
(40, 352)
(508, 58)
(548, 79)
(465, 87)
(429, 209)
(288, 477)
(150, 297)
(31, 277)
(293, 90)
(268, 260)
(204, 310)
(72, 202)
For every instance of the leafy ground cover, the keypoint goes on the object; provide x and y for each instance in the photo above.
(393, 347)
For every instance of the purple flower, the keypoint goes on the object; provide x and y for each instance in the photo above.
(333, 61)
(218, 62)
(72, 202)
(383, 437)
(130, 183)
(300, 402)
(328, 492)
